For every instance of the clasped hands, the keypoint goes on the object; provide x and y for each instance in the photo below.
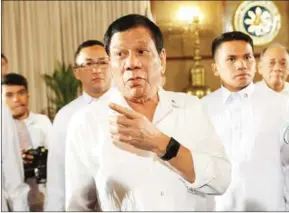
(133, 128)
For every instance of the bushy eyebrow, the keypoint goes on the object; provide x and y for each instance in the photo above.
(141, 43)
(247, 54)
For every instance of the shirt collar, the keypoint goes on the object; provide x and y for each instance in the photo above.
(244, 93)
(87, 98)
(165, 104)
(30, 119)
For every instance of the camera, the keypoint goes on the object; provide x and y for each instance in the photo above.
(37, 168)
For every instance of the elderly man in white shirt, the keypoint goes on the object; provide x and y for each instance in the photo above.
(274, 67)
(141, 148)
(32, 132)
(14, 190)
(250, 121)
(92, 69)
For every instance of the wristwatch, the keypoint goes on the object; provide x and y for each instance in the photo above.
(171, 150)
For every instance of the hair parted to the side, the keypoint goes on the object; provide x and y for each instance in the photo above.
(14, 79)
(230, 36)
(127, 22)
(85, 44)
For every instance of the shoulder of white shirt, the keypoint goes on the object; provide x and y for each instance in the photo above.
(67, 110)
(36, 117)
(178, 99)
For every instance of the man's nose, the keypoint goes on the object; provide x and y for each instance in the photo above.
(132, 61)
(16, 98)
(96, 70)
(241, 64)
(277, 67)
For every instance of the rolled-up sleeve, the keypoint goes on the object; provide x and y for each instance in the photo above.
(211, 165)
(14, 188)
(80, 184)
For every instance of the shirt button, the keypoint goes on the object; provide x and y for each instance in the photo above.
(162, 193)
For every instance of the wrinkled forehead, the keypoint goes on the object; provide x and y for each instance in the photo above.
(138, 36)
(278, 53)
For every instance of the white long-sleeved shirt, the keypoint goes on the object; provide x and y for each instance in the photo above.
(121, 177)
(285, 91)
(14, 190)
(55, 200)
(251, 125)
(285, 162)
(38, 126)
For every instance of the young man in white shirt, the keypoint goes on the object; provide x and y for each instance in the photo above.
(142, 148)
(274, 68)
(92, 69)
(250, 121)
(32, 132)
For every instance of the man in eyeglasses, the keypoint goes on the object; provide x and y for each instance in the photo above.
(92, 69)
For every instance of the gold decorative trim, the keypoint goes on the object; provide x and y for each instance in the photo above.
(259, 19)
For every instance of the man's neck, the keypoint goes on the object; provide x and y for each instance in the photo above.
(23, 117)
(234, 89)
(95, 94)
(147, 107)
(278, 87)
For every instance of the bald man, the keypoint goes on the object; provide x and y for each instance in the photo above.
(274, 68)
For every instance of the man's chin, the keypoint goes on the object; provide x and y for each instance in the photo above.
(18, 115)
(275, 80)
(136, 93)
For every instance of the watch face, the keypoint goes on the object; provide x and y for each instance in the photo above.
(259, 19)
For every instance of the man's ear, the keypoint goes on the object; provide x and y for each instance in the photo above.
(259, 67)
(215, 69)
(76, 74)
(163, 57)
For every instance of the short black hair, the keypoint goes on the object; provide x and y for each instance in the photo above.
(87, 43)
(4, 57)
(14, 79)
(230, 36)
(132, 21)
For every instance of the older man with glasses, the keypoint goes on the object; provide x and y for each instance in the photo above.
(92, 69)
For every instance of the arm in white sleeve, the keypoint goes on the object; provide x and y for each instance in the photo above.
(55, 199)
(285, 161)
(15, 189)
(80, 185)
(211, 165)
(48, 126)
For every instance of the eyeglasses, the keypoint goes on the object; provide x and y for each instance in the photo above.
(89, 66)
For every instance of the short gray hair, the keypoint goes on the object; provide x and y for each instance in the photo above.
(275, 44)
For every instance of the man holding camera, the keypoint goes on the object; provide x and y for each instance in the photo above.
(32, 132)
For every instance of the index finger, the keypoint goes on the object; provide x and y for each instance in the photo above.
(124, 111)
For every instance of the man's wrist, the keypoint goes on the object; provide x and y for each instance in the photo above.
(161, 145)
